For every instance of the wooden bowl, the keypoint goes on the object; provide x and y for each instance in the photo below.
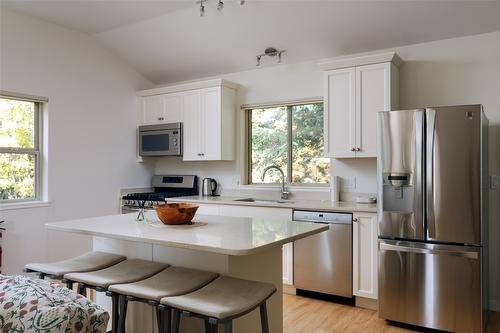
(176, 213)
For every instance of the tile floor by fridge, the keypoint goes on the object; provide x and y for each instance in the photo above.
(307, 315)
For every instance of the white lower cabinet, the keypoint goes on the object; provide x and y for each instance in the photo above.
(364, 255)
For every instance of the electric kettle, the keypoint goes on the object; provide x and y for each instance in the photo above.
(209, 187)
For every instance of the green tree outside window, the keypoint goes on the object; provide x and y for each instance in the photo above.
(18, 149)
(290, 137)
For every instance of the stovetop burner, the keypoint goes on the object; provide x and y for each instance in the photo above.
(165, 186)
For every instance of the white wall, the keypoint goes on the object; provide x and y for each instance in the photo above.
(448, 72)
(91, 123)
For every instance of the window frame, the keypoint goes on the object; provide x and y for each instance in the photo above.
(248, 140)
(36, 151)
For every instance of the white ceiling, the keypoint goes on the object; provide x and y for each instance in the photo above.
(167, 41)
(93, 16)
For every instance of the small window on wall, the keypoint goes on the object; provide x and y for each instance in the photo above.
(291, 137)
(19, 150)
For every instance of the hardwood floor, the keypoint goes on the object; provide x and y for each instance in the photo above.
(307, 315)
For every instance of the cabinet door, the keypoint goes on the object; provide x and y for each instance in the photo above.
(373, 94)
(340, 113)
(192, 131)
(173, 107)
(211, 124)
(364, 255)
(153, 110)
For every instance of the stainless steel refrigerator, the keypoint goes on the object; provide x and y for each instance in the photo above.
(432, 217)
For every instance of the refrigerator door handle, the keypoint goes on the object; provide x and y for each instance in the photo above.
(431, 126)
(450, 252)
(419, 201)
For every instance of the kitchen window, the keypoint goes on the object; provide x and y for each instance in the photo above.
(291, 137)
(20, 156)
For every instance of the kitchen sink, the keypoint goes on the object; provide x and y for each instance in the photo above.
(268, 201)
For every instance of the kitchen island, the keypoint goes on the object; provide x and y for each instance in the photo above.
(248, 248)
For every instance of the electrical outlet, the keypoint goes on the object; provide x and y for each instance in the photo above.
(349, 182)
(495, 182)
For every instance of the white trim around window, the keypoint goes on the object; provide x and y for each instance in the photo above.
(38, 151)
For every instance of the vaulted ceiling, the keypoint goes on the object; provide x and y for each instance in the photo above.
(168, 41)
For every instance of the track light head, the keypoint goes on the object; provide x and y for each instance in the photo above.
(220, 5)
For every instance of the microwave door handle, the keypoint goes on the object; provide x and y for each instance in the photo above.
(430, 152)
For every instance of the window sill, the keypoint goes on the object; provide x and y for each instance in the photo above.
(295, 188)
(24, 205)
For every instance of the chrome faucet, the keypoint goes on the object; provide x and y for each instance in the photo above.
(284, 192)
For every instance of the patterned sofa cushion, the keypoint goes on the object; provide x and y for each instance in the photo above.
(42, 306)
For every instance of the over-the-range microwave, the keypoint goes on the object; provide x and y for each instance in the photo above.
(160, 140)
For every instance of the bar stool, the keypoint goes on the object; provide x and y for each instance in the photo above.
(87, 262)
(171, 281)
(127, 271)
(220, 302)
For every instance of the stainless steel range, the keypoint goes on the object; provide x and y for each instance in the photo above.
(164, 187)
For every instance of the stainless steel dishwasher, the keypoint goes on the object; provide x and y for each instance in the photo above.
(323, 262)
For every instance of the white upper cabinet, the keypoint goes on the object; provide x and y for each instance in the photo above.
(192, 125)
(340, 103)
(152, 110)
(173, 108)
(353, 96)
(206, 109)
(161, 109)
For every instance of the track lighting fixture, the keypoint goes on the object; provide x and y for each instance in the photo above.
(202, 6)
(220, 5)
(271, 52)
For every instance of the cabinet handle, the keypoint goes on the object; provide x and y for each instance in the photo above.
(355, 220)
(358, 149)
(353, 149)
(160, 118)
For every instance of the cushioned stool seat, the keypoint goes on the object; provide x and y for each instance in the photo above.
(130, 270)
(171, 281)
(90, 261)
(222, 300)
(126, 271)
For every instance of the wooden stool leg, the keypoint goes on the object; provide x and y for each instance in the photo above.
(263, 318)
(176, 320)
(122, 314)
(228, 327)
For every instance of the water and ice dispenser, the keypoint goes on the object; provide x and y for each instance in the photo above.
(398, 192)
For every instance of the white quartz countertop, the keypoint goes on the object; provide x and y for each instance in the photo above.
(218, 234)
(322, 205)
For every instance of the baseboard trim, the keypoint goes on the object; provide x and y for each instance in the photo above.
(367, 303)
(289, 289)
(494, 305)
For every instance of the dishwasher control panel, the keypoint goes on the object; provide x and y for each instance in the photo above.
(322, 217)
